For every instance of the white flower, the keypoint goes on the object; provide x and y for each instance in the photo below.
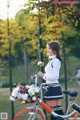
(12, 98)
(27, 86)
(31, 92)
(19, 95)
(24, 96)
(36, 89)
(15, 92)
(34, 98)
(40, 63)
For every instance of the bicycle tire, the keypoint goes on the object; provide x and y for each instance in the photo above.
(22, 114)
(76, 116)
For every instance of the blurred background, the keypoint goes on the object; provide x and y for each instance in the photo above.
(25, 29)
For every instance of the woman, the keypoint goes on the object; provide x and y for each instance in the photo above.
(51, 75)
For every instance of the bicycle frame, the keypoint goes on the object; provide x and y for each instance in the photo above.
(49, 110)
(32, 117)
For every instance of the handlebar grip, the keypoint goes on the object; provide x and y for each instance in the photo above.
(76, 107)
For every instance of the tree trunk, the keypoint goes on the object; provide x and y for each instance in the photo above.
(26, 65)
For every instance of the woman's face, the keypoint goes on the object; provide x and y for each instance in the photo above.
(50, 52)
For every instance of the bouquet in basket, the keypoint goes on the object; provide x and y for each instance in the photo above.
(25, 93)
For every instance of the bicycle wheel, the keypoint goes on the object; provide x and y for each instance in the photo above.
(29, 114)
(76, 116)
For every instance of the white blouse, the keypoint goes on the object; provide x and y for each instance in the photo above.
(52, 70)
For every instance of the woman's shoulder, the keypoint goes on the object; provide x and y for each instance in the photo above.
(56, 61)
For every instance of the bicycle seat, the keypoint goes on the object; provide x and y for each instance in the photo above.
(72, 93)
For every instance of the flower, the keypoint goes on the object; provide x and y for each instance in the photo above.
(40, 63)
(25, 93)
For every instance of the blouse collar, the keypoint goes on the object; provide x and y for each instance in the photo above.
(52, 57)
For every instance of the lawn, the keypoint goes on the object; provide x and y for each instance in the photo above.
(5, 103)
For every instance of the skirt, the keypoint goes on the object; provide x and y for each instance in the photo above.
(53, 92)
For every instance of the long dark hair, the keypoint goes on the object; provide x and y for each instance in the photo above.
(54, 45)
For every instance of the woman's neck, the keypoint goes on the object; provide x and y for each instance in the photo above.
(52, 56)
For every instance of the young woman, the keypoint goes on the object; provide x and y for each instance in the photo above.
(51, 75)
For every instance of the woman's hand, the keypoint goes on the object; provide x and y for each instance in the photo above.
(40, 74)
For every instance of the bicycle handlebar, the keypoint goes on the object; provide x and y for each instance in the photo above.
(36, 78)
(36, 81)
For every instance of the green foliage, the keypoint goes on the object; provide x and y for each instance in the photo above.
(56, 22)
(7, 85)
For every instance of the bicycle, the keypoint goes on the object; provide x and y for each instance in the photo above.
(35, 113)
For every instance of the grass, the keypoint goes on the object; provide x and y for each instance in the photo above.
(18, 74)
(5, 103)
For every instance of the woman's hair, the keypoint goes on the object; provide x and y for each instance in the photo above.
(54, 45)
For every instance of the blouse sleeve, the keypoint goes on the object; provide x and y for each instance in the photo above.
(53, 74)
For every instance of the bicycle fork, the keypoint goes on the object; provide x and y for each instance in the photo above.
(33, 113)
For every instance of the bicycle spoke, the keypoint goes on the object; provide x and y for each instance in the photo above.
(34, 116)
(30, 115)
